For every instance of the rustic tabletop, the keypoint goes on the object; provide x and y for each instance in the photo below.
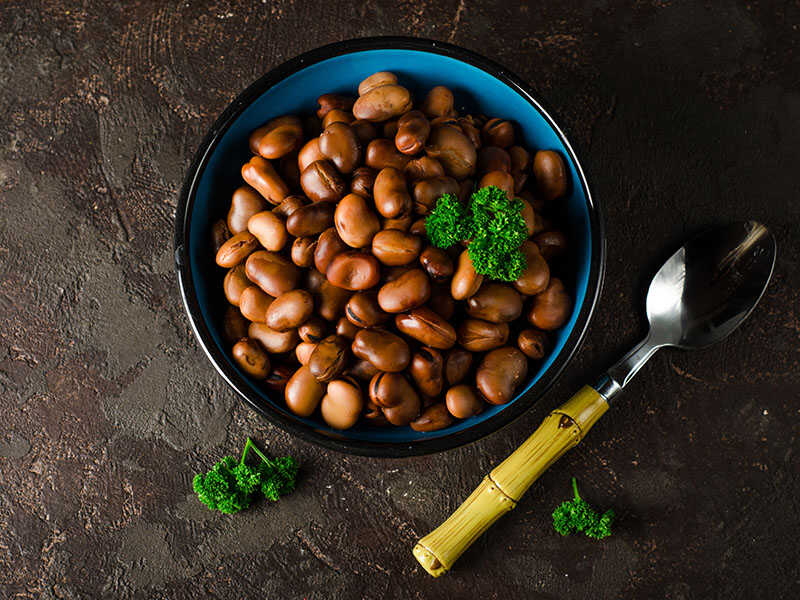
(686, 114)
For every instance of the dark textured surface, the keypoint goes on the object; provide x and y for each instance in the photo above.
(685, 114)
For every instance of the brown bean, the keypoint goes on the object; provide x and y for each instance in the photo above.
(441, 302)
(428, 191)
(290, 310)
(329, 358)
(362, 369)
(495, 302)
(303, 251)
(457, 365)
(365, 131)
(269, 229)
(219, 234)
(280, 137)
(329, 246)
(427, 371)
(382, 102)
(433, 418)
(426, 326)
(279, 377)
(339, 144)
(355, 221)
(308, 154)
(390, 193)
(303, 352)
(376, 80)
(533, 343)
(520, 159)
(387, 351)
(253, 304)
(329, 102)
(418, 227)
(381, 153)
(498, 132)
(550, 173)
(472, 132)
(408, 291)
(499, 179)
(272, 272)
(394, 273)
(244, 204)
(331, 301)
(362, 182)
(274, 342)
(337, 116)
(552, 244)
(439, 102)
(341, 405)
(321, 182)
(303, 392)
(234, 325)
(311, 219)
(437, 264)
(449, 120)
(462, 402)
(492, 158)
(528, 216)
(536, 276)
(423, 167)
(465, 280)
(313, 330)
(551, 308)
(260, 174)
(397, 397)
(477, 335)
(289, 205)
(412, 132)
(354, 271)
(236, 249)
(314, 280)
(500, 373)
(363, 310)
(346, 329)
(394, 248)
(454, 150)
(400, 223)
(251, 358)
(234, 284)
(390, 128)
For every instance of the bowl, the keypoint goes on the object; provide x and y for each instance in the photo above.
(293, 87)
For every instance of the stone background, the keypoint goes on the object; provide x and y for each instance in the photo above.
(685, 114)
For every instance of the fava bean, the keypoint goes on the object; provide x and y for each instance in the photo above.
(500, 373)
(261, 175)
(251, 358)
(303, 392)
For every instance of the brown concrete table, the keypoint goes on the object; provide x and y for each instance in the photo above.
(685, 115)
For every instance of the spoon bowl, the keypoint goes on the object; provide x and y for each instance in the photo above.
(710, 285)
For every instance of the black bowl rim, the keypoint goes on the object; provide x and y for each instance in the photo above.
(238, 383)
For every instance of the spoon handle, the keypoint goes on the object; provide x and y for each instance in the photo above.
(501, 489)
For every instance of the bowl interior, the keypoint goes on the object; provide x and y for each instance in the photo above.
(474, 90)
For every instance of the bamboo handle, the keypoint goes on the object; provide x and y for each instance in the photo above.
(500, 491)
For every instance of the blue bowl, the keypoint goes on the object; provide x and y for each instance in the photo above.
(479, 86)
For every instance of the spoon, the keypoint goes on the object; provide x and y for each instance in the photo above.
(698, 297)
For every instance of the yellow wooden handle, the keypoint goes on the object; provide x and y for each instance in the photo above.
(500, 491)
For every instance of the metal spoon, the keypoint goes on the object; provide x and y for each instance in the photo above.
(698, 297)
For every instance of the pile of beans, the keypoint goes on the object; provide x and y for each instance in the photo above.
(337, 298)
